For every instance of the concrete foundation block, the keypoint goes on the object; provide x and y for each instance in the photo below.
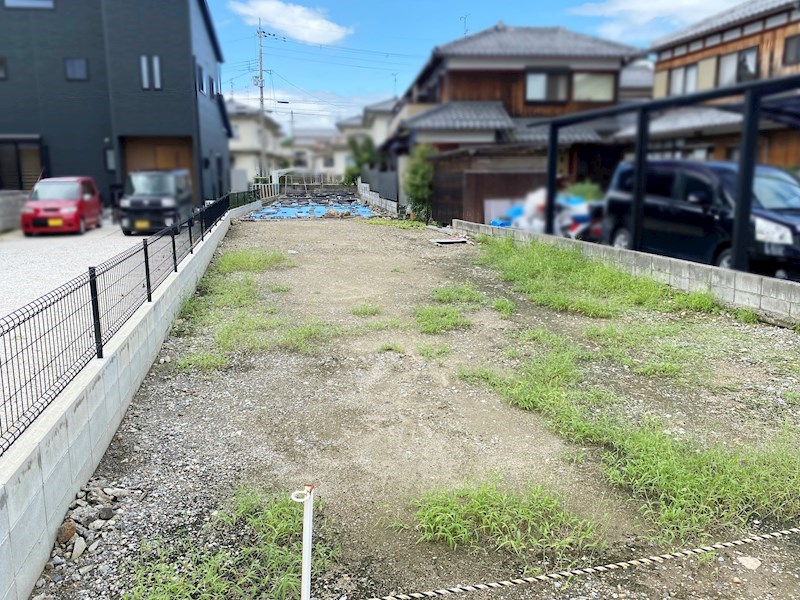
(775, 305)
(723, 277)
(698, 285)
(678, 282)
(723, 294)
(794, 310)
(779, 289)
(747, 282)
(7, 587)
(26, 533)
(30, 569)
(58, 493)
(4, 524)
(746, 299)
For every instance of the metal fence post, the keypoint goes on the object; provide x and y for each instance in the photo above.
(640, 178)
(98, 335)
(174, 251)
(191, 243)
(552, 191)
(147, 270)
(202, 224)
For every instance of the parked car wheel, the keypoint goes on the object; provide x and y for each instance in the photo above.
(27, 233)
(725, 259)
(99, 222)
(126, 232)
(621, 239)
(82, 227)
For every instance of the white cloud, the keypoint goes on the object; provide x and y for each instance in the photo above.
(320, 111)
(642, 21)
(300, 23)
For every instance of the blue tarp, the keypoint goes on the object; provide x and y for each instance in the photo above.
(308, 210)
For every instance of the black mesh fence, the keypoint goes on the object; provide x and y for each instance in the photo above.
(46, 343)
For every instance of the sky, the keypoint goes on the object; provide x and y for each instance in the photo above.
(327, 59)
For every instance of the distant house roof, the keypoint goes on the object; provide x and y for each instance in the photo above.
(686, 120)
(211, 31)
(240, 109)
(385, 106)
(729, 17)
(355, 121)
(636, 76)
(526, 130)
(505, 40)
(462, 115)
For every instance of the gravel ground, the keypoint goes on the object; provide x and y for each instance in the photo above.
(374, 430)
(31, 267)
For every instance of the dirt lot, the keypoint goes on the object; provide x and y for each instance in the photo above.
(374, 430)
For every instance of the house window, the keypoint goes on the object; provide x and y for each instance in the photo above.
(677, 81)
(3, 68)
(751, 28)
(111, 160)
(201, 81)
(738, 67)
(76, 69)
(29, 3)
(665, 54)
(327, 161)
(696, 45)
(713, 40)
(211, 86)
(144, 72)
(776, 20)
(593, 87)
(791, 51)
(690, 80)
(157, 72)
(546, 87)
(680, 50)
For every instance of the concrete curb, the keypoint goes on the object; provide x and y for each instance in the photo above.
(43, 470)
(776, 299)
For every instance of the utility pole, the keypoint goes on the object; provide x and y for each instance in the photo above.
(291, 126)
(260, 82)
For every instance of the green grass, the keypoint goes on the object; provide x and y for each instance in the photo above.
(252, 333)
(532, 525)
(431, 351)
(203, 361)
(391, 347)
(366, 310)
(279, 289)
(250, 260)
(792, 398)
(505, 307)
(252, 549)
(563, 279)
(400, 224)
(398, 270)
(438, 319)
(457, 294)
(688, 491)
(745, 315)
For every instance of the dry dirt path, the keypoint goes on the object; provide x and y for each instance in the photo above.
(373, 430)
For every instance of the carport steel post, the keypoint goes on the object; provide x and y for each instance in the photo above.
(753, 92)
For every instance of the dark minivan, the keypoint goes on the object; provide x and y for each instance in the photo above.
(154, 200)
(688, 214)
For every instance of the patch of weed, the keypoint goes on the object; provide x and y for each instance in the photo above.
(398, 270)
(688, 490)
(701, 302)
(745, 315)
(457, 294)
(279, 289)
(431, 351)
(366, 310)
(399, 223)
(792, 398)
(438, 319)
(253, 549)
(505, 307)
(532, 525)
(369, 327)
(392, 347)
(564, 279)
(574, 456)
(250, 260)
(203, 361)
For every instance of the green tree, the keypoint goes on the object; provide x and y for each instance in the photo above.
(351, 175)
(418, 184)
(364, 153)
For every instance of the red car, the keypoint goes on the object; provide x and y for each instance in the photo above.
(62, 204)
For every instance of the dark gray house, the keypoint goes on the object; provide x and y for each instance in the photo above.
(103, 87)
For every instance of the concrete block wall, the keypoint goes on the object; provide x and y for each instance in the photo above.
(43, 470)
(374, 199)
(776, 299)
(11, 209)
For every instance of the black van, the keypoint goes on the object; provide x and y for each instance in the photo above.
(688, 214)
(154, 200)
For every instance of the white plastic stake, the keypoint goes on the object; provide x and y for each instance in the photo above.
(307, 498)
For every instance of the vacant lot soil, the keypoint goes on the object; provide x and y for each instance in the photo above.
(374, 430)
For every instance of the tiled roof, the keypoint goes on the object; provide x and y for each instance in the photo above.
(462, 115)
(356, 121)
(526, 130)
(385, 106)
(732, 16)
(504, 40)
(685, 120)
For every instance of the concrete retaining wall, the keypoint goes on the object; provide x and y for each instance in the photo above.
(374, 199)
(43, 470)
(10, 209)
(775, 299)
